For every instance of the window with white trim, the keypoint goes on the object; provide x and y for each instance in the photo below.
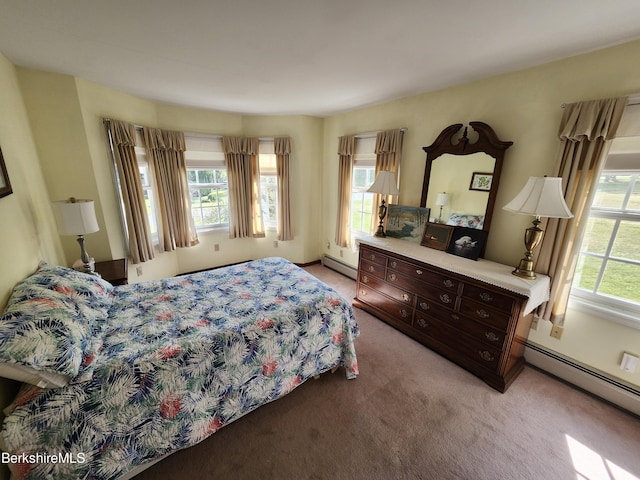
(609, 262)
(207, 178)
(363, 176)
(148, 185)
(268, 183)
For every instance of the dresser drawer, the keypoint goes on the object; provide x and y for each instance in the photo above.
(398, 310)
(484, 333)
(371, 268)
(488, 297)
(416, 272)
(380, 285)
(438, 297)
(486, 355)
(373, 257)
(482, 313)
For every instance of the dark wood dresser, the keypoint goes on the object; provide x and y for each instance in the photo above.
(476, 314)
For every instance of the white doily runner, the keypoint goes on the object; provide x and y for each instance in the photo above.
(497, 274)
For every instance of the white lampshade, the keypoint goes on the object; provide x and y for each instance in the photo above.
(76, 217)
(541, 197)
(385, 184)
(442, 199)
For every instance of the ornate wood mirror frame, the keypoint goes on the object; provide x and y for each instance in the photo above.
(455, 140)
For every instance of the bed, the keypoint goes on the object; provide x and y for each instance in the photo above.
(122, 376)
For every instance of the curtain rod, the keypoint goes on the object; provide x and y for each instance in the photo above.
(373, 134)
(632, 99)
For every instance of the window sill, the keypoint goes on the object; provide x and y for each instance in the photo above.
(606, 311)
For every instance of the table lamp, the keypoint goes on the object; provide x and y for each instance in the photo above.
(77, 217)
(385, 184)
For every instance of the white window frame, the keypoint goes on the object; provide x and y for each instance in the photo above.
(204, 152)
(268, 183)
(364, 158)
(610, 307)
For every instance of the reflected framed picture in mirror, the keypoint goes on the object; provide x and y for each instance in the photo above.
(481, 181)
(436, 235)
(5, 185)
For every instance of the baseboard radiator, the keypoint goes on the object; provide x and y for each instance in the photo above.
(623, 395)
(340, 267)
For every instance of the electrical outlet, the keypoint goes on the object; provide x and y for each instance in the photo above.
(275, 244)
(556, 331)
(328, 245)
(216, 247)
(342, 253)
(139, 271)
(534, 323)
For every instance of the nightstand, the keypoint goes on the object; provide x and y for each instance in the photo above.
(113, 271)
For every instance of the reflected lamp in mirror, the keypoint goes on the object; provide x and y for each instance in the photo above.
(540, 197)
(442, 200)
(77, 217)
(385, 184)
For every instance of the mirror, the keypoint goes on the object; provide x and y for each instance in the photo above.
(465, 162)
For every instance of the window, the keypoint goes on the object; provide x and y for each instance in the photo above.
(146, 179)
(363, 176)
(609, 261)
(268, 184)
(207, 177)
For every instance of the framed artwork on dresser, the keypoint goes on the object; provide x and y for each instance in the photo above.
(467, 242)
(437, 235)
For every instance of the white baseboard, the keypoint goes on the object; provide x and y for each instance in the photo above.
(340, 267)
(623, 395)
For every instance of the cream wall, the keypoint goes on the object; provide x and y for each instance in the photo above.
(523, 107)
(28, 231)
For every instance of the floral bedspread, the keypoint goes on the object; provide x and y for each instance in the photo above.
(181, 358)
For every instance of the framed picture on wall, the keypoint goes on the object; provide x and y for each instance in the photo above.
(5, 184)
(481, 181)
(436, 235)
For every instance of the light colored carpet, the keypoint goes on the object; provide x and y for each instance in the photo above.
(411, 414)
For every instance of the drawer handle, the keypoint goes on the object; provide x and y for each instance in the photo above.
(423, 323)
(406, 297)
(363, 293)
(483, 313)
(372, 268)
(419, 272)
(372, 256)
(394, 264)
(424, 306)
(491, 336)
(487, 297)
(448, 283)
(365, 279)
(404, 313)
(445, 298)
(455, 317)
(486, 356)
(393, 277)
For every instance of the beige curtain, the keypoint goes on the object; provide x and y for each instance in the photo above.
(243, 175)
(123, 140)
(388, 155)
(165, 155)
(586, 131)
(346, 150)
(282, 149)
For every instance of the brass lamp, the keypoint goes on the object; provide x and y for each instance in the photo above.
(385, 184)
(540, 197)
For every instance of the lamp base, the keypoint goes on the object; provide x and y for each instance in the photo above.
(525, 270)
(88, 267)
(382, 212)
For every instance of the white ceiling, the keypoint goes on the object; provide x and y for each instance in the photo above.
(313, 57)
